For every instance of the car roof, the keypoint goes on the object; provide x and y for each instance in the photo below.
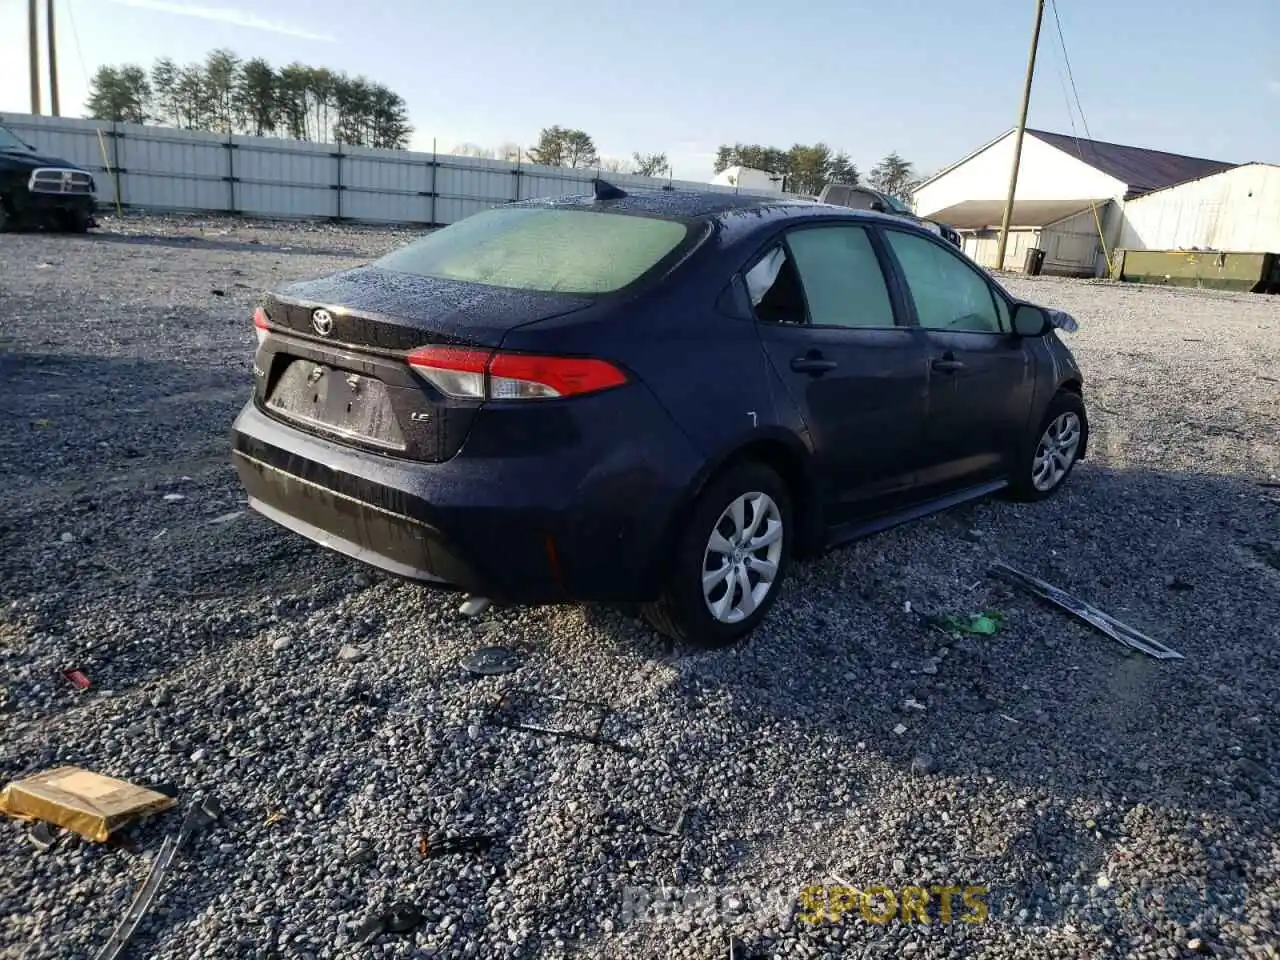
(696, 204)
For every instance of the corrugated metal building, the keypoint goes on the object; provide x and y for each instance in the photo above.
(1070, 196)
(1237, 211)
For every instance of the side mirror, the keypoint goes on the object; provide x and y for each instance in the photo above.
(1030, 320)
(879, 207)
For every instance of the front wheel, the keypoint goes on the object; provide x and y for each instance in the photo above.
(730, 560)
(74, 221)
(1044, 466)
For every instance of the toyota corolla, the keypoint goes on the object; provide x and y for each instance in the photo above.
(660, 398)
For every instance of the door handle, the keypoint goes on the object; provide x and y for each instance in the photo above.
(948, 364)
(817, 365)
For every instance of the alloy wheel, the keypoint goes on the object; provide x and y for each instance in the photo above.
(1056, 451)
(742, 556)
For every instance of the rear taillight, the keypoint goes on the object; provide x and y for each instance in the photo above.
(260, 325)
(470, 374)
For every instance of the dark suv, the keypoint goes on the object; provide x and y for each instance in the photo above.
(859, 197)
(42, 191)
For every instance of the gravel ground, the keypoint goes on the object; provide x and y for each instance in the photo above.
(1112, 805)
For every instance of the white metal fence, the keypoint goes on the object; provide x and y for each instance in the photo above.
(163, 168)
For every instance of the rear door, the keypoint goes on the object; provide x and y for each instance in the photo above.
(828, 321)
(981, 376)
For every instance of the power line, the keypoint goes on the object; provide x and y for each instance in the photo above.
(107, 165)
(1066, 59)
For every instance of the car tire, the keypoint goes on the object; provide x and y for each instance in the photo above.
(74, 221)
(6, 221)
(1044, 464)
(748, 499)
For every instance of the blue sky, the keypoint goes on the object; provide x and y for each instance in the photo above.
(932, 79)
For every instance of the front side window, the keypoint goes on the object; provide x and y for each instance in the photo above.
(949, 294)
(559, 250)
(841, 276)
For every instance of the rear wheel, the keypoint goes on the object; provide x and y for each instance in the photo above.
(729, 561)
(1045, 465)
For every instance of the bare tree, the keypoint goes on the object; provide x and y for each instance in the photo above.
(615, 165)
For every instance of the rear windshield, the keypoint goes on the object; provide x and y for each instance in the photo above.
(535, 248)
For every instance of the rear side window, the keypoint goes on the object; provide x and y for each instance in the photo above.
(842, 279)
(774, 288)
(548, 250)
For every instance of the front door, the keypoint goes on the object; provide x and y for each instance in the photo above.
(981, 375)
(858, 375)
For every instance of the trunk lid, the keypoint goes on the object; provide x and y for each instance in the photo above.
(383, 310)
(343, 375)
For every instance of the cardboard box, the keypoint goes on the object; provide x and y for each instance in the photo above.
(87, 803)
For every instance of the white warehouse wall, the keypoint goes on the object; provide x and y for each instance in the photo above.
(1045, 173)
(1236, 211)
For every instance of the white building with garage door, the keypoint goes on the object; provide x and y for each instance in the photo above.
(1069, 198)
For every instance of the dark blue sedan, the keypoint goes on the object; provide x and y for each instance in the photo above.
(659, 399)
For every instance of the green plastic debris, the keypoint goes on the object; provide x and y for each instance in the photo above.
(979, 624)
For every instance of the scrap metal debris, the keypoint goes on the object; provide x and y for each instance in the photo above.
(400, 917)
(443, 847)
(491, 661)
(512, 704)
(674, 829)
(1090, 614)
(86, 803)
(202, 812)
(42, 836)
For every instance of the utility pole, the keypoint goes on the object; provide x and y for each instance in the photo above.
(33, 54)
(51, 38)
(1017, 138)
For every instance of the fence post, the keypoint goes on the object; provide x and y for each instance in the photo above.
(338, 186)
(231, 175)
(115, 162)
(435, 176)
(517, 173)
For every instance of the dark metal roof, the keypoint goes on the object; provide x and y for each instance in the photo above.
(1141, 170)
(983, 214)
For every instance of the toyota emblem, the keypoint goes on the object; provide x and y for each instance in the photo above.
(322, 321)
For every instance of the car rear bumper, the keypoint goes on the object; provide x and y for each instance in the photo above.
(564, 527)
(395, 542)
